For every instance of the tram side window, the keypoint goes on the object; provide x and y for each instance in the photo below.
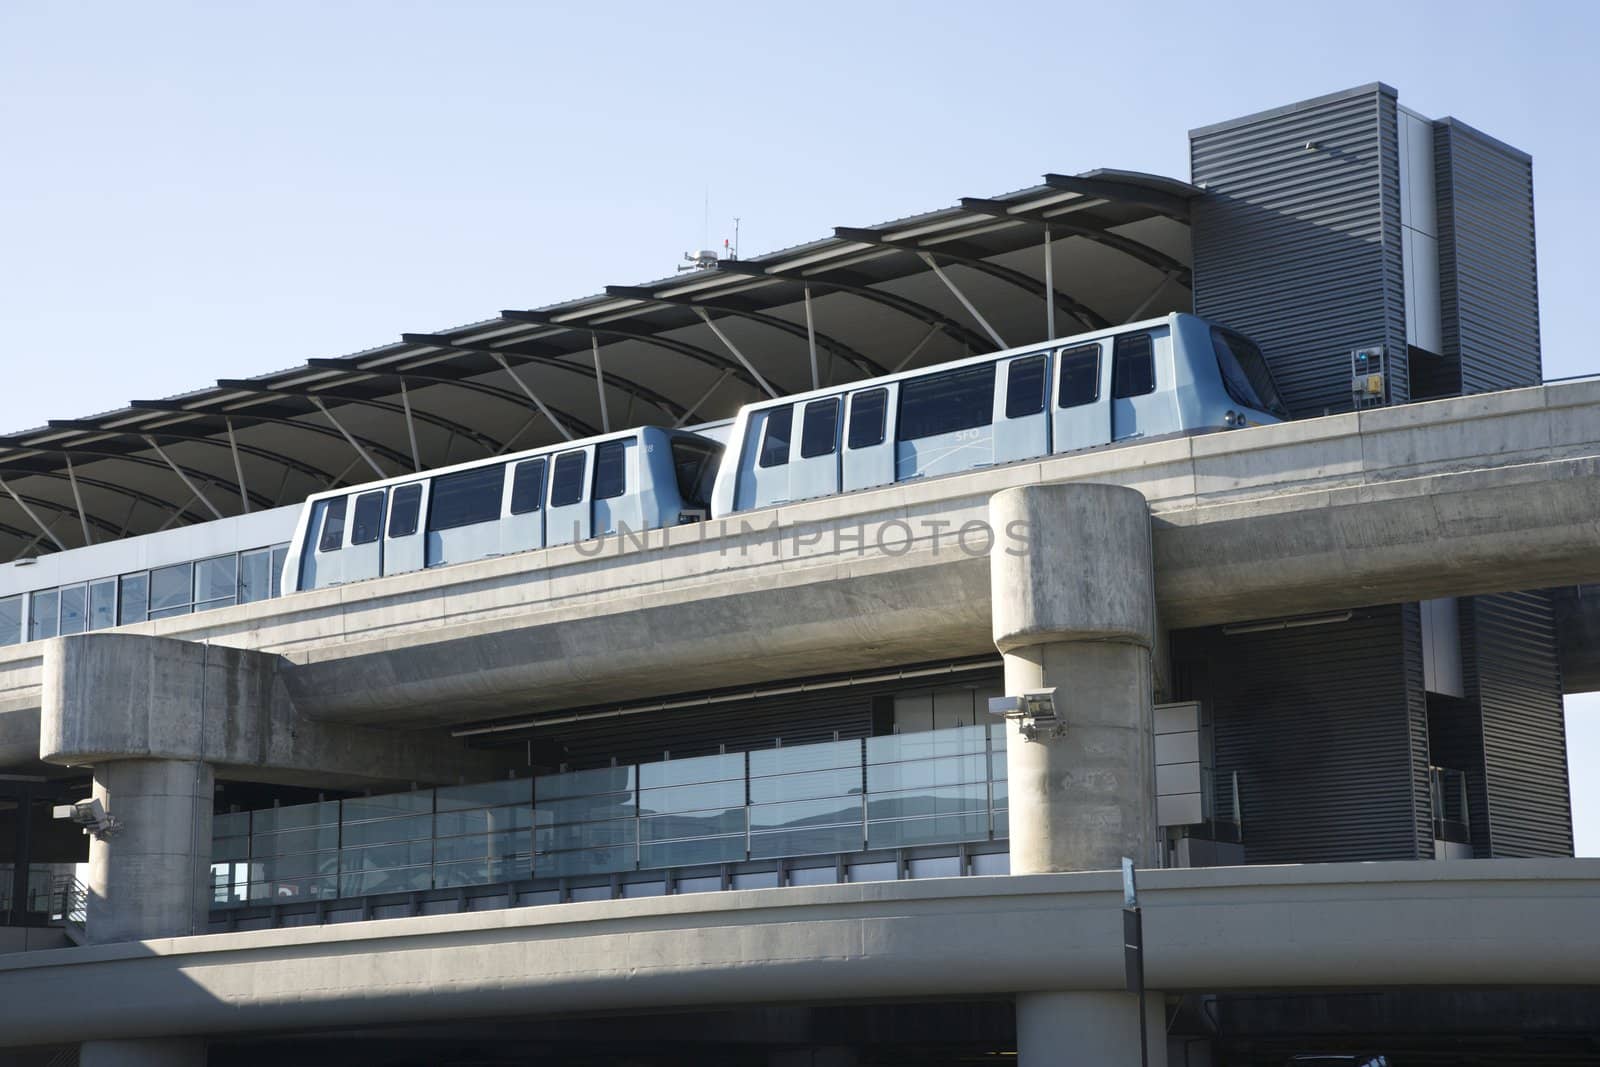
(1025, 387)
(819, 430)
(1080, 376)
(695, 463)
(405, 509)
(867, 411)
(566, 479)
(135, 590)
(1133, 366)
(466, 497)
(527, 486)
(775, 438)
(610, 469)
(368, 518)
(945, 403)
(11, 620)
(332, 538)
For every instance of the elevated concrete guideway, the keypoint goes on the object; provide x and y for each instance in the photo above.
(1499, 923)
(1470, 495)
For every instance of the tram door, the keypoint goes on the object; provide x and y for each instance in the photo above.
(567, 517)
(363, 556)
(403, 539)
(868, 438)
(1080, 407)
(1021, 418)
(814, 461)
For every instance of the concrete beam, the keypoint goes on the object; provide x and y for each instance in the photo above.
(117, 696)
(1502, 923)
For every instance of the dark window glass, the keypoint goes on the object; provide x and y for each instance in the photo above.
(103, 604)
(867, 416)
(566, 479)
(405, 509)
(775, 440)
(610, 469)
(216, 581)
(819, 430)
(135, 589)
(1080, 376)
(279, 554)
(695, 463)
(42, 615)
(527, 486)
(333, 526)
(255, 575)
(1025, 387)
(368, 522)
(1133, 366)
(1245, 374)
(466, 497)
(944, 403)
(10, 620)
(170, 589)
(74, 609)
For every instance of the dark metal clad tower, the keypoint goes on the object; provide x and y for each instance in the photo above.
(1488, 273)
(1298, 241)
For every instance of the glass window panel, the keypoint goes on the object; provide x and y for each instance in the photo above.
(482, 871)
(481, 820)
(10, 620)
(366, 883)
(319, 813)
(695, 464)
(483, 846)
(585, 835)
(692, 824)
(1133, 366)
(775, 436)
(43, 609)
(586, 809)
(413, 802)
(279, 554)
(587, 861)
(1025, 387)
(610, 469)
(689, 771)
(837, 782)
(819, 431)
(216, 579)
(920, 803)
(135, 589)
(332, 538)
(583, 783)
(230, 848)
(170, 589)
(300, 839)
(74, 609)
(387, 855)
(405, 509)
(466, 497)
(867, 411)
(309, 888)
(926, 744)
(231, 824)
(484, 794)
(1245, 374)
(527, 486)
(923, 774)
(972, 826)
(805, 813)
(297, 866)
(691, 853)
(691, 797)
(999, 790)
(410, 828)
(1002, 825)
(367, 524)
(806, 842)
(255, 575)
(805, 758)
(1080, 376)
(566, 479)
(946, 402)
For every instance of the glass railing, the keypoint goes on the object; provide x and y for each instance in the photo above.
(1452, 818)
(901, 791)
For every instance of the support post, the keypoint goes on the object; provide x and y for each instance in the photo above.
(531, 395)
(77, 499)
(600, 383)
(1049, 288)
(811, 340)
(738, 355)
(349, 438)
(26, 510)
(411, 426)
(994, 335)
(182, 477)
(238, 469)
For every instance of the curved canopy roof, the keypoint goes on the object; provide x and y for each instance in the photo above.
(683, 350)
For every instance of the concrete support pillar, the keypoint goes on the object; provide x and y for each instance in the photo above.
(1088, 1029)
(148, 1052)
(150, 877)
(1075, 610)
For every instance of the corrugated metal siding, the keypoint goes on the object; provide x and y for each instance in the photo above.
(1488, 267)
(1300, 249)
(1327, 729)
(1515, 677)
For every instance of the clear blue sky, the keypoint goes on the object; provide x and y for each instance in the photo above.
(194, 191)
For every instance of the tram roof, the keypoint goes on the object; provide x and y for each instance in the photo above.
(688, 348)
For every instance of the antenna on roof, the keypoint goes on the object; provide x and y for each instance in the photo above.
(707, 258)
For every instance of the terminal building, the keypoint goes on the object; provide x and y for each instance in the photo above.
(843, 771)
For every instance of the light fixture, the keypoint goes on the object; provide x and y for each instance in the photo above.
(1034, 711)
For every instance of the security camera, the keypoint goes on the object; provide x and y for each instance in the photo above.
(1034, 711)
(89, 814)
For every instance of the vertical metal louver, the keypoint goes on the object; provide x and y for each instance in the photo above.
(1488, 272)
(1297, 242)
(1326, 727)
(1514, 677)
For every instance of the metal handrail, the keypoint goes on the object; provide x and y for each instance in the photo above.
(69, 903)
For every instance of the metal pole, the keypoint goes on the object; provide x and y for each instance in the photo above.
(911, 355)
(687, 415)
(337, 425)
(411, 428)
(26, 510)
(77, 498)
(959, 295)
(811, 340)
(600, 382)
(531, 395)
(1049, 288)
(238, 468)
(1133, 951)
(184, 478)
(731, 347)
